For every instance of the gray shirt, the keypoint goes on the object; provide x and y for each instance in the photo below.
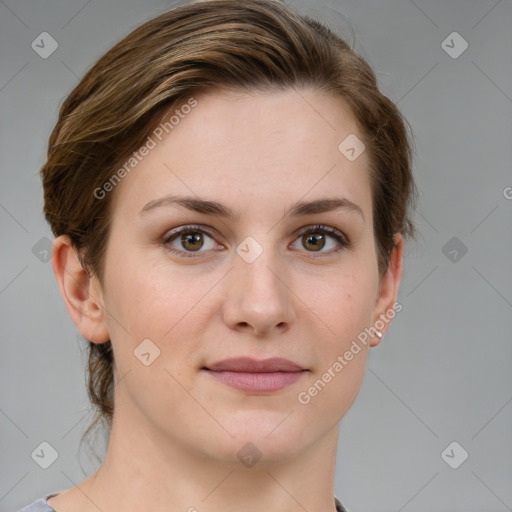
(41, 505)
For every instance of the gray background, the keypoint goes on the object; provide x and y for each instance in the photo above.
(442, 372)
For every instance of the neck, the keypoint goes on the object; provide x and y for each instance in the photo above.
(144, 469)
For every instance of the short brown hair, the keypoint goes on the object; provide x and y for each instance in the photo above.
(252, 45)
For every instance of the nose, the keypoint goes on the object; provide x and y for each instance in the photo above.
(258, 300)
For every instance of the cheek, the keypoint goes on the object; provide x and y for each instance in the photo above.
(335, 387)
(342, 309)
(149, 297)
(169, 307)
(346, 309)
(154, 333)
(343, 300)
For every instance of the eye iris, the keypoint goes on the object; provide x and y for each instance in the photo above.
(195, 239)
(316, 240)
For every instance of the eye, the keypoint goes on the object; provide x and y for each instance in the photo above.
(317, 238)
(188, 239)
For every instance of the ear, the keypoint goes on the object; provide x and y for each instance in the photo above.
(388, 291)
(81, 292)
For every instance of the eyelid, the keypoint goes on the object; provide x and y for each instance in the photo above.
(187, 228)
(334, 232)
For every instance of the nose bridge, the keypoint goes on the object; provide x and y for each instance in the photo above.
(262, 274)
(259, 271)
(258, 295)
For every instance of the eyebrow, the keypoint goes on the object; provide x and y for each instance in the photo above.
(207, 207)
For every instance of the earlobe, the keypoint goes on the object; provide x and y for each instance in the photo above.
(388, 291)
(83, 299)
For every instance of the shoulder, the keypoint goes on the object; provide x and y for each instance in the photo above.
(39, 505)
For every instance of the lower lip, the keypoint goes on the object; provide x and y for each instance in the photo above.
(257, 382)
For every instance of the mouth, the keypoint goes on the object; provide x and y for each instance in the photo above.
(256, 376)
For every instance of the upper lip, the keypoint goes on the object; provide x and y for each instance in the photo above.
(248, 364)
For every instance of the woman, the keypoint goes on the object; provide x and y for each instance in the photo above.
(230, 194)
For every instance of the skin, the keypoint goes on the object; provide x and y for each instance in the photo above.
(176, 430)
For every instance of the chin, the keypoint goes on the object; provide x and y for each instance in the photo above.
(262, 439)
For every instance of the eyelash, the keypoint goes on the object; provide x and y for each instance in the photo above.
(340, 237)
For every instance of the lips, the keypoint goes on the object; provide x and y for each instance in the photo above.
(256, 376)
(247, 364)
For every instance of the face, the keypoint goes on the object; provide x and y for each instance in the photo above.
(258, 274)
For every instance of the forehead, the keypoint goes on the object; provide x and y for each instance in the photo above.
(282, 144)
